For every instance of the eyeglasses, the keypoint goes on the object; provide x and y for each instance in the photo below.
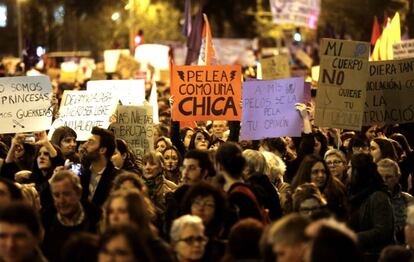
(193, 239)
(333, 163)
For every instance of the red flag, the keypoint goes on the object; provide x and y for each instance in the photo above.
(207, 51)
(376, 32)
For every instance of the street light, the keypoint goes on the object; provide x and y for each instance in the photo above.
(115, 16)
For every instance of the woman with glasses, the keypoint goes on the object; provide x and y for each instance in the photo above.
(200, 140)
(313, 169)
(308, 201)
(188, 239)
(337, 164)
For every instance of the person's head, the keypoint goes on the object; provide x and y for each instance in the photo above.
(402, 140)
(65, 138)
(230, 160)
(80, 247)
(287, 238)
(313, 169)
(200, 140)
(395, 253)
(101, 144)
(8, 192)
(186, 134)
(363, 174)
(276, 168)
(382, 148)
(196, 166)
(307, 199)
(218, 128)
(127, 180)
(336, 162)
(244, 238)
(66, 191)
(153, 164)
(207, 202)
(43, 159)
(358, 144)
(21, 232)
(321, 143)
(162, 143)
(332, 241)
(123, 157)
(255, 163)
(123, 243)
(389, 171)
(369, 132)
(277, 146)
(127, 207)
(172, 159)
(187, 238)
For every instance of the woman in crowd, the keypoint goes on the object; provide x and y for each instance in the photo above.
(65, 138)
(337, 164)
(188, 239)
(155, 180)
(308, 201)
(200, 140)
(382, 148)
(126, 243)
(9, 192)
(124, 158)
(162, 143)
(172, 163)
(313, 169)
(406, 163)
(185, 134)
(371, 215)
(129, 207)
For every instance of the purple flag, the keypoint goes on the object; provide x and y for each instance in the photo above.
(194, 39)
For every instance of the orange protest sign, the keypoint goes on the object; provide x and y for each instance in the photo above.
(206, 93)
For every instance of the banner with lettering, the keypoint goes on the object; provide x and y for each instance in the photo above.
(276, 67)
(130, 92)
(25, 104)
(343, 75)
(82, 110)
(206, 93)
(299, 13)
(390, 92)
(404, 49)
(135, 126)
(269, 108)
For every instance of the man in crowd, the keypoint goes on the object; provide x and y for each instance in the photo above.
(218, 129)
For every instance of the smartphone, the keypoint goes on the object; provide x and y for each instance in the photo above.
(29, 139)
(76, 168)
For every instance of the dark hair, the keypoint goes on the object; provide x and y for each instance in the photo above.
(20, 213)
(131, 162)
(80, 247)
(323, 140)
(303, 175)
(204, 160)
(54, 162)
(60, 133)
(14, 191)
(183, 132)
(128, 176)
(203, 189)
(304, 192)
(275, 144)
(180, 158)
(387, 149)
(230, 157)
(364, 174)
(107, 140)
(136, 241)
(402, 140)
(395, 253)
(193, 137)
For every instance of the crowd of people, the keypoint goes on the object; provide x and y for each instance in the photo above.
(203, 195)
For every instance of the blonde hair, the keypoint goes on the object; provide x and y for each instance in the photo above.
(276, 167)
(255, 161)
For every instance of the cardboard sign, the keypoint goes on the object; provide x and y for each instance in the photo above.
(82, 110)
(206, 93)
(390, 92)
(276, 67)
(129, 92)
(341, 90)
(404, 49)
(25, 104)
(111, 58)
(127, 67)
(269, 108)
(135, 125)
(299, 13)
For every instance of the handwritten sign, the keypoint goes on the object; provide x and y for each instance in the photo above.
(135, 125)
(341, 92)
(269, 108)
(390, 92)
(276, 67)
(25, 104)
(130, 92)
(82, 110)
(299, 13)
(206, 93)
(404, 49)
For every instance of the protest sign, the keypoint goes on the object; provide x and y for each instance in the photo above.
(206, 93)
(276, 67)
(82, 110)
(68, 72)
(299, 13)
(127, 67)
(404, 49)
(25, 104)
(269, 108)
(135, 125)
(390, 92)
(341, 91)
(111, 58)
(129, 92)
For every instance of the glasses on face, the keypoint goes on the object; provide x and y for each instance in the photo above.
(194, 239)
(333, 163)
